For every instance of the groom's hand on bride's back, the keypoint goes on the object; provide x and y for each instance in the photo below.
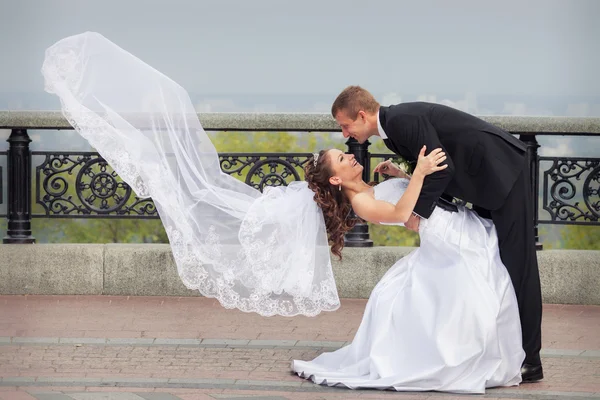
(428, 164)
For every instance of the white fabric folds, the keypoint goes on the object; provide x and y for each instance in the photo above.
(258, 252)
(443, 318)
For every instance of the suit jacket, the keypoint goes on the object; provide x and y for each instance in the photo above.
(484, 161)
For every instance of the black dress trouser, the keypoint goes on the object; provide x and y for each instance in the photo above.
(514, 225)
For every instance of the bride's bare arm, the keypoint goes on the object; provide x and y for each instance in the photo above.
(377, 211)
(372, 210)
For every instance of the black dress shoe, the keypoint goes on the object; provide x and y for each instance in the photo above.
(532, 373)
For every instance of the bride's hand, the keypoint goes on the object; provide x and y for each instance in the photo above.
(389, 168)
(431, 163)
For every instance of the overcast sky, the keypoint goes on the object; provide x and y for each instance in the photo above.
(315, 48)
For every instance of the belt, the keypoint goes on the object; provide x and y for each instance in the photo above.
(446, 205)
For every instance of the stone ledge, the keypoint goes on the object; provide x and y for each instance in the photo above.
(568, 276)
(309, 122)
(52, 269)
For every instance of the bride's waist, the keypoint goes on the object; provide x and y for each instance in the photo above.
(439, 220)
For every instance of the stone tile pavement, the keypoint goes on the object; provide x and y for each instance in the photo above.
(169, 348)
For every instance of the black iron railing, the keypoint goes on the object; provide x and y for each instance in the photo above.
(83, 185)
(562, 200)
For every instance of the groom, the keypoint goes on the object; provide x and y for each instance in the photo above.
(487, 167)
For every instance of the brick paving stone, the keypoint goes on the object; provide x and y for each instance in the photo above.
(100, 393)
(105, 396)
(16, 394)
(142, 341)
(195, 318)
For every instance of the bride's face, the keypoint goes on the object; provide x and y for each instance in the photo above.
(344, 167)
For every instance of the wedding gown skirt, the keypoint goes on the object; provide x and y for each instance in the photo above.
(443, 318)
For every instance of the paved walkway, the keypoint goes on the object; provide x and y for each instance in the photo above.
(168, 348)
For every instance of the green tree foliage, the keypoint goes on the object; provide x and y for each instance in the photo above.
(581, 237)
(102, 230)
(383, 235)
(577, 237)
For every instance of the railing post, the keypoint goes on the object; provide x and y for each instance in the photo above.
(19, 188)
(534, 171)
(359, 235)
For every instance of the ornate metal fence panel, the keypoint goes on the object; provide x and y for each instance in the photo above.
(570, 190)
(83, 185)
(267, 169)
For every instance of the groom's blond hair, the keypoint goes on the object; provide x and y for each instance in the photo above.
(352, 100)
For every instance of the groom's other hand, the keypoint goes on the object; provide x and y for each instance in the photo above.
(413, 223)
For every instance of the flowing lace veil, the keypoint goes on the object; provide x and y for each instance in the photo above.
(259, 252)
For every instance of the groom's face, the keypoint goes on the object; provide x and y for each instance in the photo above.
(356, 128)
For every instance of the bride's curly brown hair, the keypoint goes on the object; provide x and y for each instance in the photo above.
(336, 207)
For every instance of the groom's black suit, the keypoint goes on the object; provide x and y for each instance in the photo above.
(488, 168)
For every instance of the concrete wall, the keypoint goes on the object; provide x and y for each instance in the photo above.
(568, 276)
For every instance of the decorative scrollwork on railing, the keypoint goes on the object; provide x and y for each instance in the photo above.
(235, 164)
(84, 185)
(274, 172)
(571, 190)
(260, 170)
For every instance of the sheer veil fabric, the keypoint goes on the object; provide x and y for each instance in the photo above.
(258, 252)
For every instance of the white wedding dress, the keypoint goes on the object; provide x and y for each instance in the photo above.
(443, 318)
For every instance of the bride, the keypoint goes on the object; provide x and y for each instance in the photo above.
(440, 318)
(444, 317)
